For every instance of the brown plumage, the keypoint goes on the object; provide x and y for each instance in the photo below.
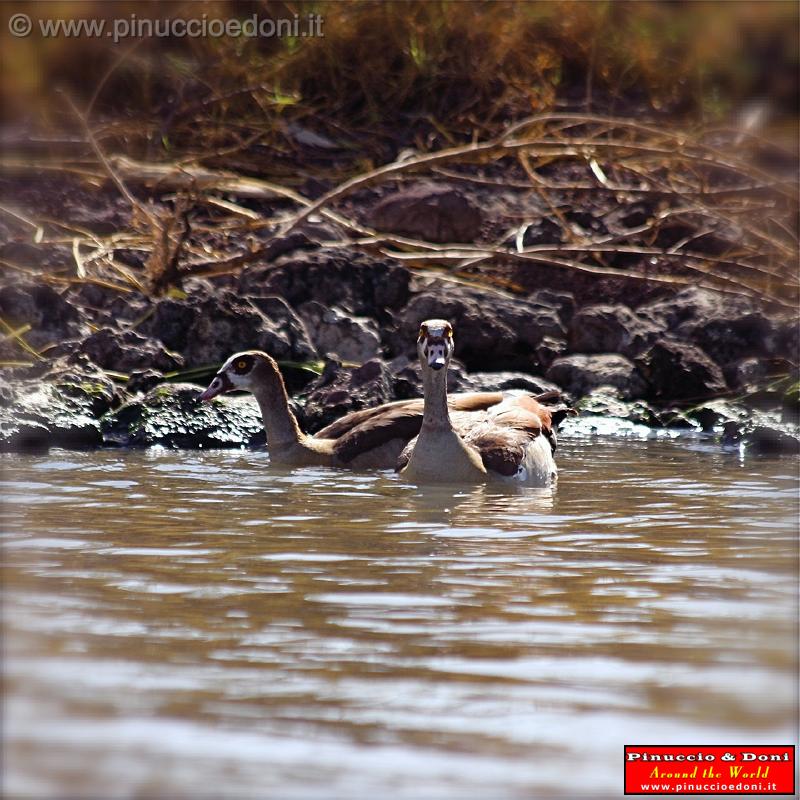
(371, 438)
(362, 431)
(501, 433)
(466, 401)
(501, 438)
(513, 439)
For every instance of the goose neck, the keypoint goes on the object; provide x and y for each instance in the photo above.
(435, 413)
(280, 424)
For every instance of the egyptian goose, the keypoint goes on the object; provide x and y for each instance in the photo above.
(513, 440)
(369, 439)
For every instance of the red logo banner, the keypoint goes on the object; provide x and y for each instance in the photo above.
(709, 769)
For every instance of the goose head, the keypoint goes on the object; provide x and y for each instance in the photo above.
(241, 372)
(435, 344)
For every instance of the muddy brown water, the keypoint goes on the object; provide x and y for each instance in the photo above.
(184, 624)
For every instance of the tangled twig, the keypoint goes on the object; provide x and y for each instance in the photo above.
(710, 215)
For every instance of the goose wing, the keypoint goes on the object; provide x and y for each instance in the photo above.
(511, 426)
(354, 419)
(549, 417)
(508, 428)
(402, 422)
(465, 401)
(362, 431)
(503, 437)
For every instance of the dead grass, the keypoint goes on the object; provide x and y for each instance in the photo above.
(468, 86)
(690, 180)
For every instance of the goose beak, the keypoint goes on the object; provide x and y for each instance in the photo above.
(219, 385)
(436, 352)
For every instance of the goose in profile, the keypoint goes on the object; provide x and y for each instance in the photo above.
(513, 440)
(372, 438)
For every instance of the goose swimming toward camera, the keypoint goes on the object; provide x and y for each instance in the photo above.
(511, 440)
(369, 439)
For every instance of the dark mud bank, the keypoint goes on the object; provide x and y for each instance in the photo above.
(113, 367)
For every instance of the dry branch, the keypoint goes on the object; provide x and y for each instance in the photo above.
(691, 190)
(172, 231)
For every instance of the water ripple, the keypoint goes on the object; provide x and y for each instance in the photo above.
(175, 621)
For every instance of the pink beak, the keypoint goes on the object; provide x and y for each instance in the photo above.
(218, 386)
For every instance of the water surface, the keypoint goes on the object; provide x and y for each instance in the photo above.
(203, 624)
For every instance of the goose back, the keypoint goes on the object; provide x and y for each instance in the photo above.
(389, 427)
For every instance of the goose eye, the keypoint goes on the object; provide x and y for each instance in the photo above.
(240, 366)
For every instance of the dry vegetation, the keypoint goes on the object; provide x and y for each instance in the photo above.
(222, 148)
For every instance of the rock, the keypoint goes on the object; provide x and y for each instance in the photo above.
(492, 331)
(350, 280)
(196, 288)
(107, 306)
(763, 434)
(127, 351)
(606, 401)
(340, 390)
(23, 435)
(549, 350)
(767, 440)
(407, 378)
(7, 393)
(171, 321)
(66, 350)
(579, 374)
(675, 418)
(563, 302)
(11, 350)
(610, 329)
(747, 373)
(171, 415)
(786, 341)
(693, 305)
(282, 317)
(727, 327)
(435, 213)
(507, 381)
(207, 330)
(790, 400)
(335, 332)
(762, 381)
(51, 317)
(589, 427)
(281, 245)
(143, 381)
(727, 340)
(680, 372)
(717, 413)
(43, 415)
(86, 385)
(759, 432)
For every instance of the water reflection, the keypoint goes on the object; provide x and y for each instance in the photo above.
(459, 507)
(176, 620)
